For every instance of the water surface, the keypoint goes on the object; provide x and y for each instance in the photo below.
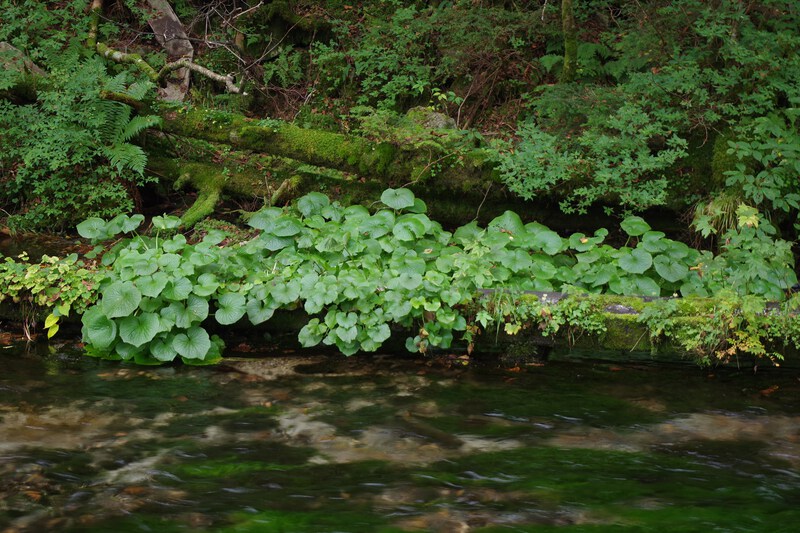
(391, 444)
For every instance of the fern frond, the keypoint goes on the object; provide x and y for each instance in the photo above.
(137, 125)
(126, 156)
(117, 84)
(113, 118)
(139, 89)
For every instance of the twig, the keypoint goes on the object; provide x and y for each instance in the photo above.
(485, 196)
(230, 86)
(284, 186)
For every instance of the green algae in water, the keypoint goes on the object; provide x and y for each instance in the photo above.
(206, 454)
(634, 491)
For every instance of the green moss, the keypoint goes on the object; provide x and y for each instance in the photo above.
(381, 160)
(202, 207)
(624, 332)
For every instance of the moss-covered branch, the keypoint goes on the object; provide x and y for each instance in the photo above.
(131, 59)
(95, 9)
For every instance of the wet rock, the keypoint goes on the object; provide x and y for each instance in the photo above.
(271, 368)
(443, 521)
(430, 119)
(522, 351)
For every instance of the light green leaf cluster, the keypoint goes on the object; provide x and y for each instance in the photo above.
(55, 285)
(360, 273)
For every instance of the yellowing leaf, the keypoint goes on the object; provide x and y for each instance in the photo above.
(50, 321)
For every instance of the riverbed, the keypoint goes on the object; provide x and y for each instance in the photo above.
(286, 442)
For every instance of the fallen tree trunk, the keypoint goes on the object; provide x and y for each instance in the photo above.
(354, 169)
(215, 171)
(271, 180)
(393, 164)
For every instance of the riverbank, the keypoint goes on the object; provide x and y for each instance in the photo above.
(565, 327)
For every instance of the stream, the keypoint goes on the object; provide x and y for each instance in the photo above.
(311, 443)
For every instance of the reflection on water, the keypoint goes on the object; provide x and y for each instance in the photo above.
(359, 445)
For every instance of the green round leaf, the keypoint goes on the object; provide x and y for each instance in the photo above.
(175, 244)
(518, 260)
(654, 241)
(206, 284)
(131, 223)
(405, 281)
(582, 243)
(196, 308)
(645, 286)
(286, 292)
(274, 243)
(677, 250)
(231, 307)
(312, 333)
(409, 228)
(635, 226)
(121, 298)
(347, 334)
(178, 289)
(377, 225)
(589, 257)
(264, 218)
(285, 226)
(468, 233)
(162, 349)
(126, 351)
(409, 264)
(166, 222)
(257, 312)
(312, 203)
(194, 344)
(98, 329)
(397, 198)
(169, 262)
(508, 221)
(151, 286)
(636, 262)
(548, 241)
(599, 275)
(669, 269)
(542, 269)
(138, 330)
(356, 213)
(418, 207)
(92, 228)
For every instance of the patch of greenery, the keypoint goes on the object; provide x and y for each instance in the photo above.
(358, 273)
(58, 286)
(648, 83)
(71, 152)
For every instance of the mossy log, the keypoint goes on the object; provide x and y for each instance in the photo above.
(392, 164)
(215, 170)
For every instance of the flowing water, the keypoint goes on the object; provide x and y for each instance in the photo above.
(390, 444)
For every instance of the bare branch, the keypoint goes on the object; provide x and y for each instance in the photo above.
(230, 86)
